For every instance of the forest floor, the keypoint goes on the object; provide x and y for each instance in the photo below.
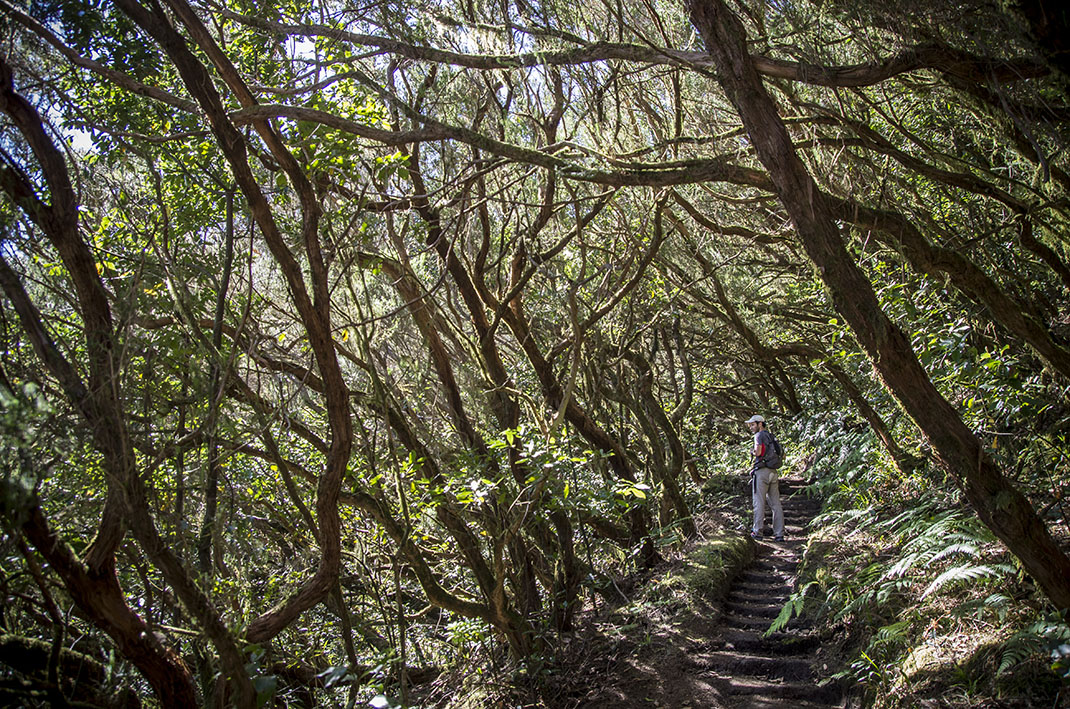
(703, 643)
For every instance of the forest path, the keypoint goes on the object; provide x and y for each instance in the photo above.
(723, 659)
(752, 670)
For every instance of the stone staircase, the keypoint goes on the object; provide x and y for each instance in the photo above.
(749, 670)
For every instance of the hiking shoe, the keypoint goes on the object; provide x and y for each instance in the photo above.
(755, 535)
(779, 538)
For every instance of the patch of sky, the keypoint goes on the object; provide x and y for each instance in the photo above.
(79, 139)
(300, 47)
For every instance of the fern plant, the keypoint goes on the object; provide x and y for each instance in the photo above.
(918, 563)
(1050, 636)
(793, 607)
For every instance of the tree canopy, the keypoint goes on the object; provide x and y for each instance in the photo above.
(337, 335)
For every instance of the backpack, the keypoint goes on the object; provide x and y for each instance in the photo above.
(775, 455)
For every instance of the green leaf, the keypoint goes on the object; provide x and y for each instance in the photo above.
(265, 687)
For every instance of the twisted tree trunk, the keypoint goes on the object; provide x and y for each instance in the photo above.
(998, 503)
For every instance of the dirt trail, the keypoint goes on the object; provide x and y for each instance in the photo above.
(723, 659)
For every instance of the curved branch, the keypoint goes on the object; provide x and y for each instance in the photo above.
(116, 77)
(943, 58)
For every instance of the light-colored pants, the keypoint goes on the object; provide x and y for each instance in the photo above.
(764, 485)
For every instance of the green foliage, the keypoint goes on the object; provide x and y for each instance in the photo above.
(712, 564)
(926, 592)
(264, 684)
(1049, 637)
(26, 450)
(466, 236)
(794, 606)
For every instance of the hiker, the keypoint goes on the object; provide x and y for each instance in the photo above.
(763, 479)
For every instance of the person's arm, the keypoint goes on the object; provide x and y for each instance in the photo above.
(759, 447)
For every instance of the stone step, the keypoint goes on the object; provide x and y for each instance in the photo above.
(742, 605)
(795, 531)
(756, 702)
(737, 664)
(746, 621)
(792, 516)
(771, 596)
(756, 610)
(767, 578)
(779, 551)
(795, 691)
(760, 584)
(795, 496)
(779, 643)
(800, 503)
(783, 566)
(798, 493)
(800, 521)
(795, 500)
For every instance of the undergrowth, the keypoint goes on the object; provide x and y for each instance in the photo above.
(920, 604)
(928, 607)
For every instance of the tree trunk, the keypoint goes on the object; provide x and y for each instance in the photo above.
(1000, 506)
(653, 417)
(98, 594)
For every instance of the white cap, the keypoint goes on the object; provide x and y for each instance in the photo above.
(756, 418)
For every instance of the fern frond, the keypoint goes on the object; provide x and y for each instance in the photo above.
(967, 572)
(904, 565)
(887, 590)
(1016, 653)
(918, 510)
(794, 606)
(966, 549)
(1040, 637)
(781, 620)
(997, 600)
(893, 632)
(940, 537)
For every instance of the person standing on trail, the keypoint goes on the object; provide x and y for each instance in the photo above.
(763, 480)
